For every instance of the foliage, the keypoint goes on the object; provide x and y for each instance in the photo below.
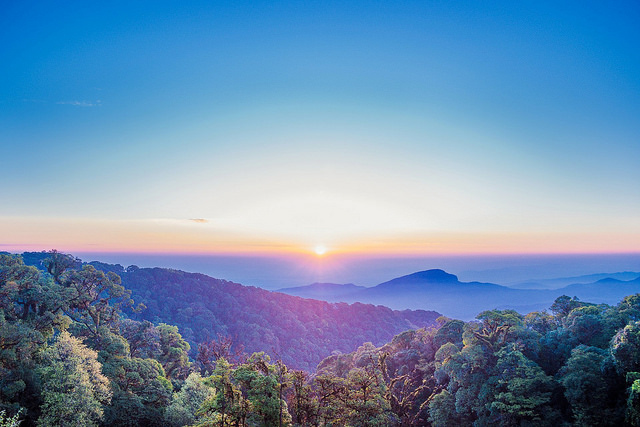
(186, 402)
(6, 421)
(74, 389)
(299, 331)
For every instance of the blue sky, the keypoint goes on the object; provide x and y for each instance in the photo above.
(415, 127)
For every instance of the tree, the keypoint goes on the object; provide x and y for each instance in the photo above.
(633, 403)
(74, 389)
(6, 421)
(563, 305)
(174, 352)
(496, 326)
(588, 390)
(450, 332)
(141, 392)
(27, 320)
(302, 403)
(94, 300)
(625, 348)
(57, 263)
(259, 383)
(186, 403)
(629, 307)
(540, 321)
(442, 410)
(519, 392)
(212, 350)
(366, 404)
(227, 405)
(143, 338)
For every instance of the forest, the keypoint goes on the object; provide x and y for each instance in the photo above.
(76, 350)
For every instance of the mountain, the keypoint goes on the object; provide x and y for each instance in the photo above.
(607, 291)
(443, 292)
(560, 282)
(323, 291)
(437, 288)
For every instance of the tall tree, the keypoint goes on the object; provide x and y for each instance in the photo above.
(74, 389)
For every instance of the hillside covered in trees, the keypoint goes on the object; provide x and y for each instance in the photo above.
(70, 355)
(299, 331)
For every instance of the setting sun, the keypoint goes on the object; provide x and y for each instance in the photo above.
(320, 250)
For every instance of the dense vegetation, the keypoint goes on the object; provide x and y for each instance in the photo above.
(300, 332)
(69, 356)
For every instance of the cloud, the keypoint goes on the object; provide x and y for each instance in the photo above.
(199, 220)
(97, 103)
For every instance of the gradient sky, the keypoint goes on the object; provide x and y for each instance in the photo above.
(375, 127)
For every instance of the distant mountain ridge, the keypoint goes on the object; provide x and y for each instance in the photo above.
(443, 292)
(316, 290)
(561, 282)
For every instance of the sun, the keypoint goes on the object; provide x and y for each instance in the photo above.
(320, 250)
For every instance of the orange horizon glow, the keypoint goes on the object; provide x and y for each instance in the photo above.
(190, 238)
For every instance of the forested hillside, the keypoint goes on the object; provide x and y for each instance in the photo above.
(299, 331)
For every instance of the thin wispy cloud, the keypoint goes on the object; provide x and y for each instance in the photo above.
(97, 103)
(199, 220)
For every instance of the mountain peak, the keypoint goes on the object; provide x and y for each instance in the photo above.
(420, 278)
(434, 275)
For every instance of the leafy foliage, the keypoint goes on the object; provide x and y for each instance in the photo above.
(299, 331)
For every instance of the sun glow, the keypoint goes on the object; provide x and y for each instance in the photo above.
(320, 250)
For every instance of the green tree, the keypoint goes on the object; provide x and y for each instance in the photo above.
(94, 300)
(365, 404)
(27, 320)
(625, 348)
(302, 403)
(629, 307)
(6, 421)
(174, 352)
(540, 321)
(442, 410)
(259, 383)
(496, 325)
(57, 263)
(633, 403)
(519, 392)
(588, 388)
(74, 389)
(141, 392)
(450, 332)
(186, 402)
(563, 305)
(332, 396)
(227, 405)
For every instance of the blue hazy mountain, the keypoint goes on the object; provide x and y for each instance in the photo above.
(443, 292)
(560, 282)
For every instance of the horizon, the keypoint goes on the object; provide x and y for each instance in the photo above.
(413, 129)
(273, 272)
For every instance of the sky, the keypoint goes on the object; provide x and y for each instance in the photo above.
(346, 127)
